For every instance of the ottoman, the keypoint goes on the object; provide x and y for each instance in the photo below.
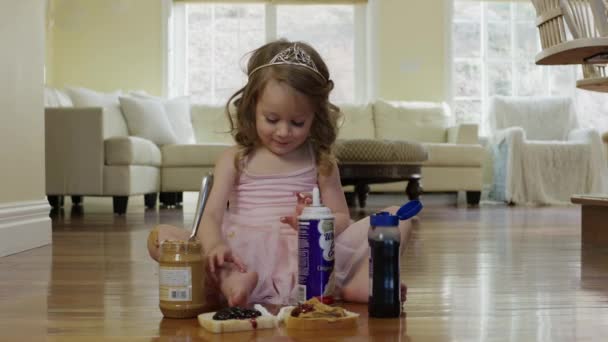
(368, 161)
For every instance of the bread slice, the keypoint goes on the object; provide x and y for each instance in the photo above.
(299, 323)
(232, 325)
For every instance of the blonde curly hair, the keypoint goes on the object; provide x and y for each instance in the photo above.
(316, 87)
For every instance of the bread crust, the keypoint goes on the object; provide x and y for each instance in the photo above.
(298, 323)
(231, 325)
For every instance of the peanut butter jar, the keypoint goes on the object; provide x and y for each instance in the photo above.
(184, 291)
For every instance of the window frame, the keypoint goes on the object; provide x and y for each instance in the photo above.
(485, 60)
(174, 74)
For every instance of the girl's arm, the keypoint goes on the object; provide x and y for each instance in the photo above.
(224, 177)
(332, 196)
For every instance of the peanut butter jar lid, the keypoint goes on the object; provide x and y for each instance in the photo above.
(181, 247)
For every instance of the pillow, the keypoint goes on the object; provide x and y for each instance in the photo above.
(357, 122)
(50, 97)
(54, 97)
(113, 121)
(63, 98)
(414, 121)
(178, 113)
(147, 119)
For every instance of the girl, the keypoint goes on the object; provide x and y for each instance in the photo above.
(284, 127)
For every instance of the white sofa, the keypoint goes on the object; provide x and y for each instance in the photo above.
(89, 154)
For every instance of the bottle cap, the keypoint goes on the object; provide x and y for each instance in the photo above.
(409, 210)
(385, 219)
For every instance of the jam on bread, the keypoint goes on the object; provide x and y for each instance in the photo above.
(236, 312)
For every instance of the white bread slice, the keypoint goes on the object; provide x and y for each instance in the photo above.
(298, 323)
(231, 325)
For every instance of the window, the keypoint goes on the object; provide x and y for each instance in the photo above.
(494, 45)
(209, 45)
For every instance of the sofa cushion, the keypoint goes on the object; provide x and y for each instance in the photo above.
(131, 151)
(413, 121)
(147, 119)
(357, 122)
(192, 155)
(454, 155)
(210, 124)
(114, 124)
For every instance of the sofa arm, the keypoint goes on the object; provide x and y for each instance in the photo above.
(463, 134)
(74, 151)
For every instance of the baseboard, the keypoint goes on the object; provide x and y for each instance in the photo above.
(23, 226)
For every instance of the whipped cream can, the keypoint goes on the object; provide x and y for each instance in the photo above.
(316, 276)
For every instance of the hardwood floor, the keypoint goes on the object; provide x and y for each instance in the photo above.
(474, 274)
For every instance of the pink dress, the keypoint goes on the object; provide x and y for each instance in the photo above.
(252, 228)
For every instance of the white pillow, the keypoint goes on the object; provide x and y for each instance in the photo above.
(63, 98)
(147, 119)
(178, 113)
(54, 97)
(113, 121)
(50, 97)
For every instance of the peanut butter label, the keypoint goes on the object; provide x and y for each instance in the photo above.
(175, 284)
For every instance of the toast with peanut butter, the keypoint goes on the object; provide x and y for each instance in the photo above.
(313, 314)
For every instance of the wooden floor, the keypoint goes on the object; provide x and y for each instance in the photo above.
(493, 273)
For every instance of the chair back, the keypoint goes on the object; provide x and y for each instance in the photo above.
(542, 118)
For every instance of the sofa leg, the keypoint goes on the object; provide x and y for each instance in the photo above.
(413, 189)
(473, 197)
(55, 202)
(120, 204)
(150, 200)
(169, 199)
(76, 200)
(362, 189)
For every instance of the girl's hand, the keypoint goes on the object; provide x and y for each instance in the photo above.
(304, 199)
(221, 254)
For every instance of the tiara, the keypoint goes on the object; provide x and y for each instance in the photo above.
(292, 55)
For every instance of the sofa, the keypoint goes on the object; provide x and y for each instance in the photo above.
(94, 151)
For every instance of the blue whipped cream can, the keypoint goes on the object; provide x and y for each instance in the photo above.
(316, 276)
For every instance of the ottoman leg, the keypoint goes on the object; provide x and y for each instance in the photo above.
(350, 199)
(362, 189)
(413, 189)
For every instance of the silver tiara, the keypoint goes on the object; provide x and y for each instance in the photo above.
(292, 55)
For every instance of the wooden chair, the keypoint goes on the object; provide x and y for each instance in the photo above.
(594, 78)
(572, 31)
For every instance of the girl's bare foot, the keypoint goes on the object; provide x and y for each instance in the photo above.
(237, 286)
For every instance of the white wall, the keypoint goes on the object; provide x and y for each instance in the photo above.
(23, 211)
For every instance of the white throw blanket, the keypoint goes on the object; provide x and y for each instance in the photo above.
(548, 170)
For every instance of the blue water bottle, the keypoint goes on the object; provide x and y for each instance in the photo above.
(384, 240)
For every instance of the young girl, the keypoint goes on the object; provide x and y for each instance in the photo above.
(284, 127)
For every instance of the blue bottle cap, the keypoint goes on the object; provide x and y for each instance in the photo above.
(406, 212)
(409, 210)
(383, 219)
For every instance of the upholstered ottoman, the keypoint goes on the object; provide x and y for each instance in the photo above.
(368, 161)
